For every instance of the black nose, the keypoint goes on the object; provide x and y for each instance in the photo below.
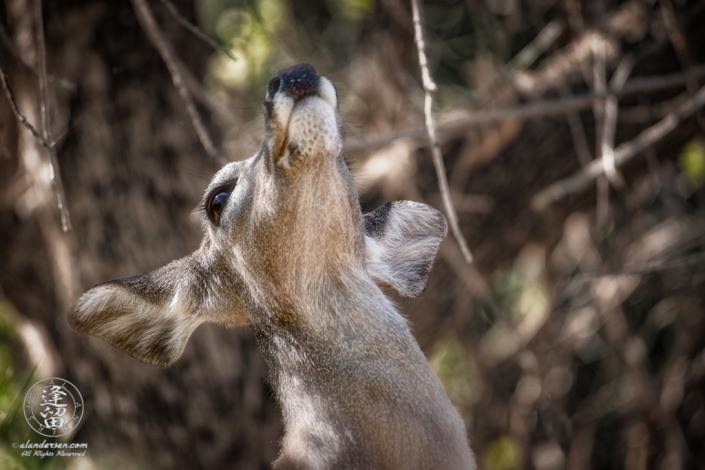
(297, 81)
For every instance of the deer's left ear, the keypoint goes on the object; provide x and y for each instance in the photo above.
(401, 240)
(151, 316)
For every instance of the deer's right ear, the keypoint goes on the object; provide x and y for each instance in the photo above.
(401, 240)
(151, 316)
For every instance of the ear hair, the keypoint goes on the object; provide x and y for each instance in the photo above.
(149, 316)
(401, 240)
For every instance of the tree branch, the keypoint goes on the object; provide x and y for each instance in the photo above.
(46, 118)
(13, 104)
(156, 37)
(599, 86)
(623, 153)
(430, 87)
(546, 37)
(609, 123)
(529, 110)
(197, 32)
(577, 132)
(647, 268)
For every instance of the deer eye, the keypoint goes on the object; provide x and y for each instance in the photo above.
(217, 203)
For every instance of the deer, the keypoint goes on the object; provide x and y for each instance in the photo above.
(288, 253)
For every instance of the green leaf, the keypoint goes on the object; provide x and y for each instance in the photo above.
(692, 161)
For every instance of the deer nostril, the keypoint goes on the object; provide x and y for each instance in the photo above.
(296, 82)
(273, 87)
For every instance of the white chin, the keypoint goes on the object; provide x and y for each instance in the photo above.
(313, 127)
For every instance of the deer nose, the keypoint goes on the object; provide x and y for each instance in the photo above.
(297, 81)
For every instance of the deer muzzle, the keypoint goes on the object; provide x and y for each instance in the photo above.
(301, 113)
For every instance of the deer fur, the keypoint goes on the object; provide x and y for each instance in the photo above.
(288, 253)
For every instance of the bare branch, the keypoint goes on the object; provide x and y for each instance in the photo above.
(429, 87)
(46, 118)
(529, 110)
(467, 203)
(150, 26)
(13, 104)
(194, 29)
(678, 41)
(599, 74)
(215, 106)
(599, 86)
(577, 132)
(609, 123)
(475, 283)
(546, 37)
(647, 268)
(623, 153)
(644, 113)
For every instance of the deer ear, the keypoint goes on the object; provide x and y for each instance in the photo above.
(401, 240)
(150, 316)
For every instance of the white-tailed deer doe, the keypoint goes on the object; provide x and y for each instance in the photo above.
(288, 253)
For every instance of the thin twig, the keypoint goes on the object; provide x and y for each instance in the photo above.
(609, 123)
(599, 79)
(13, 104)
(522, 60)
(623, 153)
(473, 279)
(155, 35)
(577, 132)
(643, 113)
(529, 110)
(647, 268)
(678, 40)
(599, 86)
(194, 29)
(546, 37)
(609, 126)
(46, 118)
(202, 96)
(430, 87)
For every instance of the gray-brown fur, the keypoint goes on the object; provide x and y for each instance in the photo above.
(288, 253)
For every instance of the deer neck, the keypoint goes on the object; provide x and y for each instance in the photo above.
(351, 324)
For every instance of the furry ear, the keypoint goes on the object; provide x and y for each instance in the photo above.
(151, 316)
(401, 241)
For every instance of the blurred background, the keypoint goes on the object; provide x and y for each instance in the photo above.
(576, 339)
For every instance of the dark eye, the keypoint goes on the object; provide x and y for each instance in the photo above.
(216, 204)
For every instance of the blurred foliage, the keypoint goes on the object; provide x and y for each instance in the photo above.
(455, 371)
(15, 379)
(352, 9)
(504, 453)
(693, 161)
(248, 31)
(523, 293)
